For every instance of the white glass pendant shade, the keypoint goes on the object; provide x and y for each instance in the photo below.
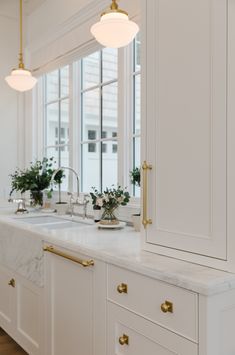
(114, 30)
(21, 80)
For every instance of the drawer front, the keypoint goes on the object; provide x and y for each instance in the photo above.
(153, 300)
(129, 334)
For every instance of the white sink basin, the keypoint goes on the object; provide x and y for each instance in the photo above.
(53, 222)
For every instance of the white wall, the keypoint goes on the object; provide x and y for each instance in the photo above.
(9, 152)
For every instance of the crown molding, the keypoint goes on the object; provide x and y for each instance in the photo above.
(82, 16)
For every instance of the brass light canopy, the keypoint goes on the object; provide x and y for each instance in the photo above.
(114, 30)
(21, 79)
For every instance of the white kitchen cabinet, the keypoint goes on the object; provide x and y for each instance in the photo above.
(186, 51)
(133, 335)
(141, 322)
(21, 311)
(75, 304)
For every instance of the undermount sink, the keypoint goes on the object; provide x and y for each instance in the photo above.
(52, 222)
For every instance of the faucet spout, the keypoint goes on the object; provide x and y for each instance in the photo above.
(74, 172)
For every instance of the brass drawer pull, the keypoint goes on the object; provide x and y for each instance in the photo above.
(167, 307)
(124, 340)
(12, 283)
(84, 263)
(145, 168)
(122, 288)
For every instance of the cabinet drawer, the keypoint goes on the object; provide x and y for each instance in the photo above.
(130, 334)
(145, 296)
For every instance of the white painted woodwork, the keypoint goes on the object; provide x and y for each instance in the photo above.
(216, 326)
(75, 307)
(6, 299)
(21, 311)
(145, 296)
(144, 336)
(184, 119)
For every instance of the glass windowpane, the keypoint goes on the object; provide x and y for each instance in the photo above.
(64, 81)
(90, 166)
(52, 124)
(110, 108)
(52, 86)
(90, 113)
(137, 108)
(109, 165)
(91, 70)
(109, 64)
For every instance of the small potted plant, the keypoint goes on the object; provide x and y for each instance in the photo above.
(110, 200)
(35, 179)
(135, 177)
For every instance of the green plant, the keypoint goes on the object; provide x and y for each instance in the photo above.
(135, 176)
(35, 178)
(110, 198)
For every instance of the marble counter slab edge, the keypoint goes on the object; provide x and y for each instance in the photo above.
(210, 282)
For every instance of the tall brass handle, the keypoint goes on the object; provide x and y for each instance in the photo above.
(145, 168)
(124, 340)
(12, 283)
(84, 263)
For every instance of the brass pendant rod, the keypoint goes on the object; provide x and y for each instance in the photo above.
(21, 61)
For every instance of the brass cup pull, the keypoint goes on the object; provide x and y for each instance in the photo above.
(124, 340)
(12, 283)
(122, 288)
(167, 307)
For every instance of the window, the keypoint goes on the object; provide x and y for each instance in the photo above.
(102, 154)
(136, 109)
(56, 108)
(99, 118)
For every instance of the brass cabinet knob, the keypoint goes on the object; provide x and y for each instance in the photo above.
(124, 340)
(122, 288)
(167, 307)
(12, 283)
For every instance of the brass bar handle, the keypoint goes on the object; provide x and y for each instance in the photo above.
(122, 288)
(12, 283)
(84, 263)
(167, 307)
(145, 168)
(124, 340)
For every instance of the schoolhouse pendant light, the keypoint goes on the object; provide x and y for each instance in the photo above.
(114, 29)
(21, 79)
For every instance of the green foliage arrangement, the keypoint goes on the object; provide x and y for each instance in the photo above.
(110, 198)
(35, 178)
(135, 176)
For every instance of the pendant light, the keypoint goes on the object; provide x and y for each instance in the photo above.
(21, 79)
(114, 29)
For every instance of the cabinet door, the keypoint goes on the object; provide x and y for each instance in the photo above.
(29, 316)
(6, 300)
(142, 336)
(75, 301)
(184, 114)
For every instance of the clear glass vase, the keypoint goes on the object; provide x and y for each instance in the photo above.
(108, 217)
(36, 198)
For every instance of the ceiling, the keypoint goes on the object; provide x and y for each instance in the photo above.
(11, 8)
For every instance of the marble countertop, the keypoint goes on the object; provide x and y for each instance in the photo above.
(118, 247)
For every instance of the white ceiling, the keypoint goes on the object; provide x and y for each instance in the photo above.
(10, 8)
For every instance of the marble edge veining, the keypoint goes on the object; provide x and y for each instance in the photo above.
(123, 248)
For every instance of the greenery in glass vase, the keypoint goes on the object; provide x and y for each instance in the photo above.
(135, 176)
(110, 200)
(35, 179)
